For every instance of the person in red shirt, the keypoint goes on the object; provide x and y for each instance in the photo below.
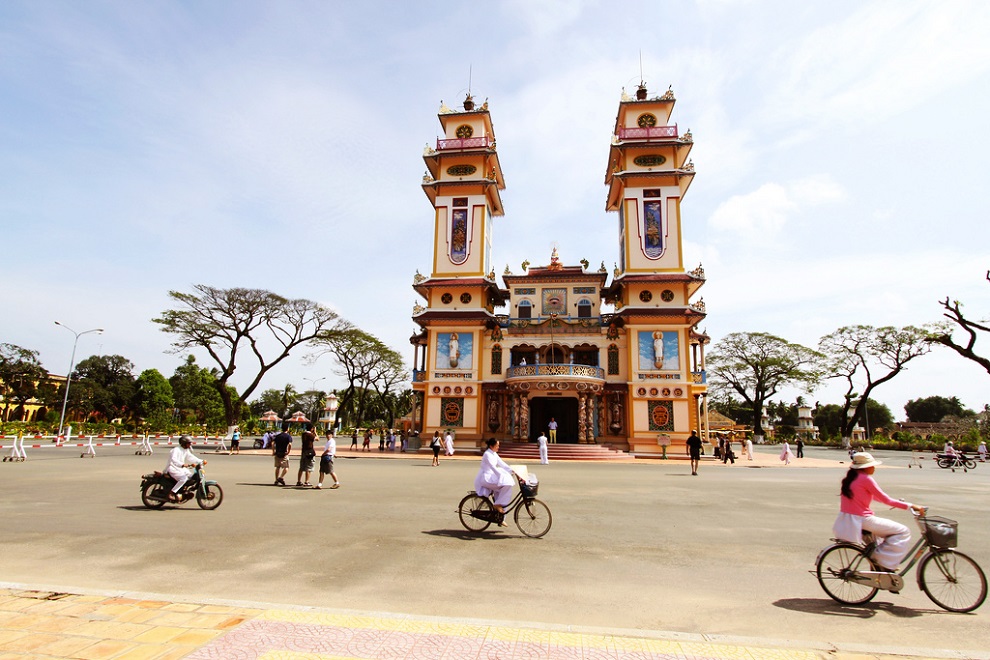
(859, 489)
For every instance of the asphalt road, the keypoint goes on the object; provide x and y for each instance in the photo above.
(633, 545)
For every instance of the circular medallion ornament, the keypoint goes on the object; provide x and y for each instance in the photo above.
(465, 298)
(666, 391)
(446, 298)
(649, 160)
(436, 389)
(457, 390)
(461, 170)
(464, 131)
(645, 296)
(647, 120)
(653, 391)
(446, 390)
(678, 392)
(666, 295)
(469, 390)
(661, 416)
(641, 391)
(452, 412)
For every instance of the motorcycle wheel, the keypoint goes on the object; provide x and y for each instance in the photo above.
(210, 498)
(154, 495)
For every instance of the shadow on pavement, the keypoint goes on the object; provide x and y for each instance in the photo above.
(832, 608)
(465, 535)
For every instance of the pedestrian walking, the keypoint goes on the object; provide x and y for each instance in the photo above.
(281, 448)
(800, 448)
(542, 442)
(727, 453)
(435, 443)
(785, 453)
(326, 461)
(307, 456)
(749, 449)
(693, 445)
(448, 444)
(366, 445)
(235, 441)
(354, 444)
(552, 427)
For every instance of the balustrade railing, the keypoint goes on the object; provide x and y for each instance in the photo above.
(648, 133)
(453, 144)
(555, 370)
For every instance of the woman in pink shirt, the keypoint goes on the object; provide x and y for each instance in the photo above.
(859, 489)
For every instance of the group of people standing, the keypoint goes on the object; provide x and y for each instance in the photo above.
(282, 447)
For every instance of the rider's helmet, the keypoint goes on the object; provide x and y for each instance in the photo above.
(185, 442)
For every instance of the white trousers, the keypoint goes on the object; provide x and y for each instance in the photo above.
(181, 476)
(501, 494)
(543, 455)
(893, 538)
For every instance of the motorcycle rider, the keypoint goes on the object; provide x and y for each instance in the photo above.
(180, 459)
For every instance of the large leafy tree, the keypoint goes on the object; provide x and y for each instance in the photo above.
(20, 375)
(830, 418)
(364, 361)
(153, 399)
(972, 330)
(935, 409)
(195, 392)
(105, 385)
(756, 365)
(870, 356)
(246, 325)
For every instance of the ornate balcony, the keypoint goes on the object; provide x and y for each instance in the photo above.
(555, 377)
(648, 133)
(462, 144)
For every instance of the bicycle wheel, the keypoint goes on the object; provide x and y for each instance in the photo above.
(475, 512)
(533, 518)
(835, 566)
(953, 581)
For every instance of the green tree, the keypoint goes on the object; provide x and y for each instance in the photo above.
(871, 356)
(21, 374)
(756, 365)
(972, 331)
(363, 360)
(935, 409)
(225, 321)
(153, 399)
(196, 396)
(106, 384)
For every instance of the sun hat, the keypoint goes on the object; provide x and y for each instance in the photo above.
(863, 459)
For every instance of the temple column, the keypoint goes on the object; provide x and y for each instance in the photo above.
(582, 418)
(524, 417)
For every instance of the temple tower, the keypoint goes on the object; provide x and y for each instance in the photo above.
(463, 183)
(647, 176)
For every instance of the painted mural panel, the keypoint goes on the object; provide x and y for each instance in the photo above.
(658, 350)
(459, 236)
(452, 410)
(653, 233)
(455, 350)
(554, 301)
(661, 415)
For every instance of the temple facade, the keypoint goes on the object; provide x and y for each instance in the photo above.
(613, 359)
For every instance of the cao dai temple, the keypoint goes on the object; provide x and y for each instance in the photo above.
(615, 359)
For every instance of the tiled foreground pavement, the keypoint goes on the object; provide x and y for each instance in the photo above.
(44, 624)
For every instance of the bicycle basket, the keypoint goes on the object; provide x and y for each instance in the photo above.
(529, 489)
(941, 532)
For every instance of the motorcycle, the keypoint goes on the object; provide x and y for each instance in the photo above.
(155, 488)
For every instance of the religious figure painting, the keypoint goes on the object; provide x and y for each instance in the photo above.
(652, 230)
(459, 236)
(658, 350)
(454, 350)
(554, 301)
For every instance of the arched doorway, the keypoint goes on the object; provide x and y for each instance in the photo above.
(563, 409)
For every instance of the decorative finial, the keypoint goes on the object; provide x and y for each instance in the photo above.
(469, 102)
(625, 97)
(484, 106)
(525, 265)
(507, 271)
(584, 264)
(602, 269)
(491, 275)
(444, 110)
(668, 95)
(616, 272)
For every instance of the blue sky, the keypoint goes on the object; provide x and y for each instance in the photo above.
(146, 146)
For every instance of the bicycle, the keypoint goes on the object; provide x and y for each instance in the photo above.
(952, 580)
(957, 460)
(532, 516)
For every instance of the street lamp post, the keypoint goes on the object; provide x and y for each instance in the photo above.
(72, 363)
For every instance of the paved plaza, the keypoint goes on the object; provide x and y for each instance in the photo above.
(643, 561)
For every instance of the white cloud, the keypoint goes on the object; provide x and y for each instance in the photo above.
(762, 213)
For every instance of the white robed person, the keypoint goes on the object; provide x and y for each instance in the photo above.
(180, 460)
(495, 478)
